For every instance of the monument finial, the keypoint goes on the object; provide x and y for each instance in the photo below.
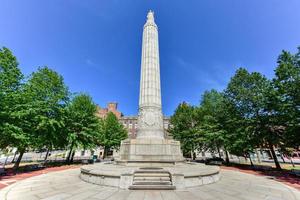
(150, 16)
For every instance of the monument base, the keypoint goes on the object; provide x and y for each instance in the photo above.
(179, 176)
(150, 164)
(150, 151)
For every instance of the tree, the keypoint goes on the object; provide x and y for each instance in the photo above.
(218, 125)
(216, 122)
(47, 96)
(12, 124)
(10, 74)
(287, 101)
(210, 110)
(184, 128)
(81, 124)
(251, 95)
(112, 133)
(10, 89)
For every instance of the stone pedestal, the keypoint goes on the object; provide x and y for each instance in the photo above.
(150, 150)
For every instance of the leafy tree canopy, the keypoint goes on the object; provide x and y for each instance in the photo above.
(82, 126)
(46, 96)
(112, 132)
(184, 127)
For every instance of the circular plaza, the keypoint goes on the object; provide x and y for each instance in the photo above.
(233, 185)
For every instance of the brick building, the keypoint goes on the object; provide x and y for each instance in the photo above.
(130, 122)
(111, 107)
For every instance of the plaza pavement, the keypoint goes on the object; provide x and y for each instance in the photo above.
(13, 178)
(67, 185)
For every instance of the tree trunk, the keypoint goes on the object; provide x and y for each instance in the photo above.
(252, 165)
(270, 153)
(258, 156)
(16, 166)
(194, 155)
(274, 156)
(105, 152)
(282, 157)
(262, 154)
(47, 153)
(245, 157)
(5, 161)
(70, 153)
(69, 156)
(292, 162)
(72, 157)
(219, 152)
(227, 157)
(13, 160)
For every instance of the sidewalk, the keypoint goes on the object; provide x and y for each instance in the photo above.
(280, 176)
(10, 179)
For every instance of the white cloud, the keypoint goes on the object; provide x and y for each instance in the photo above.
(89, 62)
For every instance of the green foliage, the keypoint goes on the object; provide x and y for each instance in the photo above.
(112, 132)
(287, 97)
(184, 127)
(252, 112)
(248, 93)
(37, 113)
(14, 128)
(10, 74)
(252, 95)
(211, 115)
(11, 96)
(46, 97)
(81, 125)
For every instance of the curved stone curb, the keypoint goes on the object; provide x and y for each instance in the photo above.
(182, 175)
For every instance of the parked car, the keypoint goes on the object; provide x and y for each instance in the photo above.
(214, 161)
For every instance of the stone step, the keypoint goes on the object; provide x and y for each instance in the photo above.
(151, 179)
(151, 174)
(152, 183)
(152, 187)
(151, 171)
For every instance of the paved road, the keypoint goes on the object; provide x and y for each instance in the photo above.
(67, 185)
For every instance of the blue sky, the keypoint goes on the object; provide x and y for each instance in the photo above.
(96, 45)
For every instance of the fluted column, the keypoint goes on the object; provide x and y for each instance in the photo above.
(150, 120)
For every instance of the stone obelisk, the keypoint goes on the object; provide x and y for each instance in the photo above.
(150, 120)
(150, 145)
